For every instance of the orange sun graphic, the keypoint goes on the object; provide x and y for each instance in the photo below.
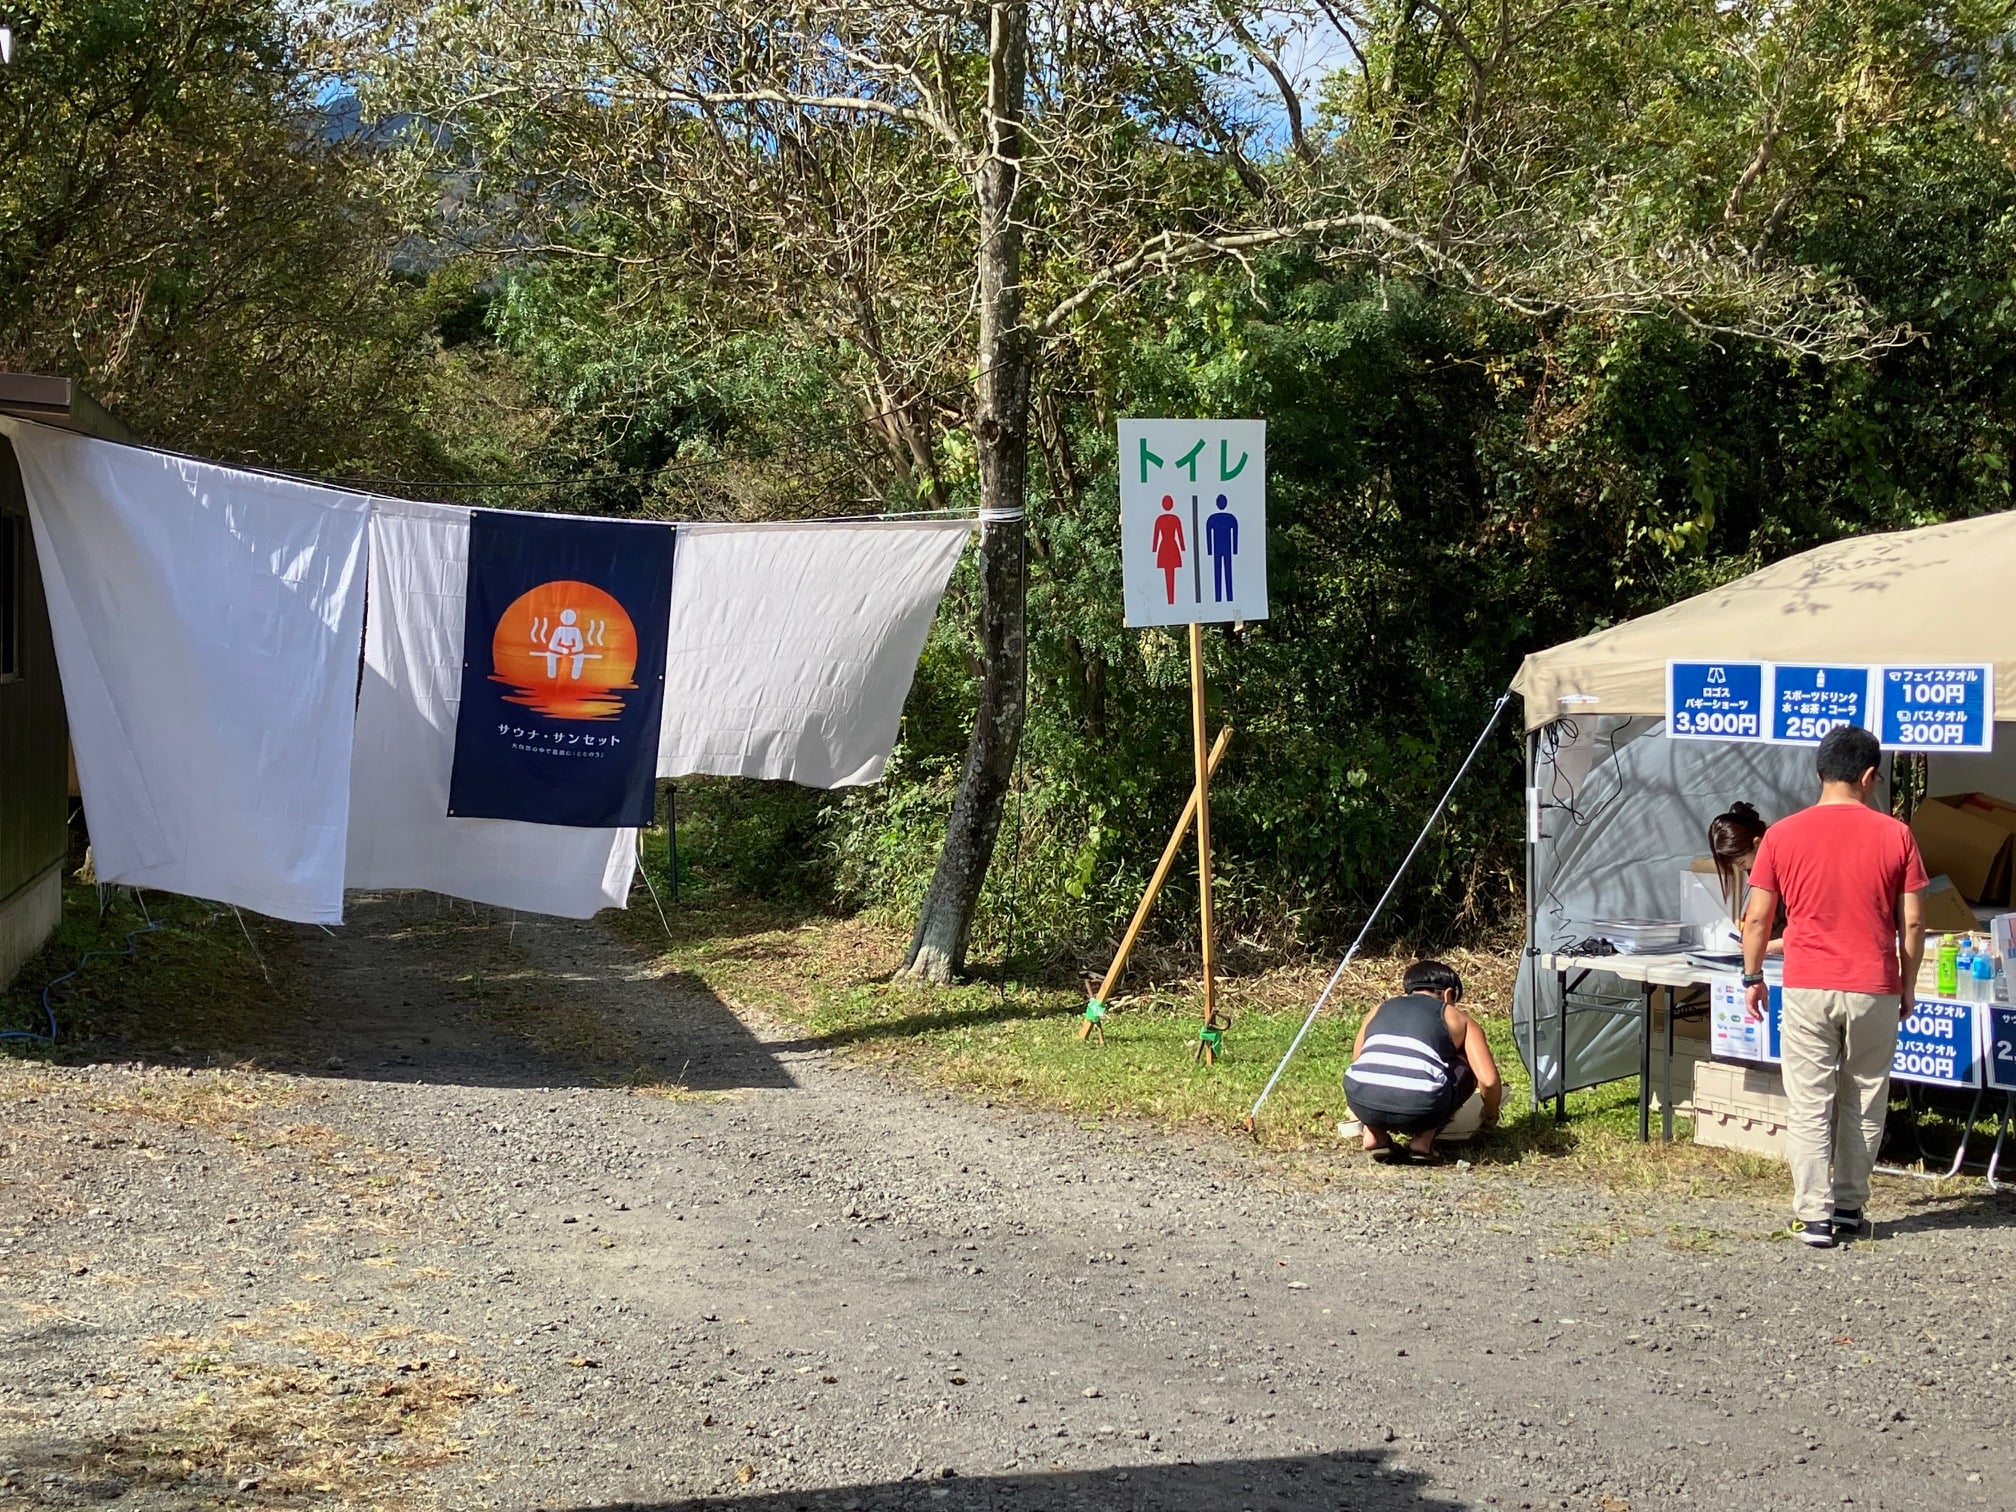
(566, 649)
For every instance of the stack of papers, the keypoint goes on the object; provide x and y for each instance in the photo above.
(1642, 936)
(1732, 961)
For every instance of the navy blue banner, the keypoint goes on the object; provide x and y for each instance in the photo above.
(563, 670)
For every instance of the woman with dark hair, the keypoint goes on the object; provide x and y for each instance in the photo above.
(1733, 839)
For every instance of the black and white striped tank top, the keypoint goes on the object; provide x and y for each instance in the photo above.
(1408, 1056)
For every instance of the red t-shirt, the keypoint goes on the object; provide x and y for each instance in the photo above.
(1840, 869)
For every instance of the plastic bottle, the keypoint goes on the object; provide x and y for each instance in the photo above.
(1963, 971)
(1948, 957)
(1984, 978)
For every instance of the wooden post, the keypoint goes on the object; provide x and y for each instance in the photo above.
(1154, 888)
(1203, 823)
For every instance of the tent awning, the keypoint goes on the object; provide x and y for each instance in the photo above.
(1936, 595)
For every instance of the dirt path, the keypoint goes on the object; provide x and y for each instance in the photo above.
(454, 1249)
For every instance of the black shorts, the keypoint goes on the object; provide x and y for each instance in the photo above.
(1404, 1113)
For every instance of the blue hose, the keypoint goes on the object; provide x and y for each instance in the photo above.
(48, 1008)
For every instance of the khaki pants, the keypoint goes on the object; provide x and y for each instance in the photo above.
(1837, 1047)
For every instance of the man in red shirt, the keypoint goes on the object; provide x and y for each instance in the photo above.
(1854, 890)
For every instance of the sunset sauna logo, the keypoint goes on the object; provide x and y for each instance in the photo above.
(566, 650)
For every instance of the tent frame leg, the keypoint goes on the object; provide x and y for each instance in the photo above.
(1645, 1068)
(2002, 1124)
(1532, 911)
(1561, 1061)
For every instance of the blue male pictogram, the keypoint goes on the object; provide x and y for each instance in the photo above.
(1221, 540)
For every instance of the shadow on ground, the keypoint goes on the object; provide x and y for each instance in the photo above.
(1345, 1481)
(420, 989)
(1929, 1211)
(908, 1025)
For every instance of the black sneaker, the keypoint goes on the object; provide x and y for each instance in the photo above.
(1850, 1224)
(1819, 1233)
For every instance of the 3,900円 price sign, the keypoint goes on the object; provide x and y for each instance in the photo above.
(1715, 700)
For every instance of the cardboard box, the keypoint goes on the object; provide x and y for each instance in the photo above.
(1985, 806)
(1946, 912)
(1966, 841)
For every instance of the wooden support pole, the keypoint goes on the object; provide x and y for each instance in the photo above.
(1154, 888)
(1203, 824)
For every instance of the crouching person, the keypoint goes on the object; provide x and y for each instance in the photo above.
(1421, 1067)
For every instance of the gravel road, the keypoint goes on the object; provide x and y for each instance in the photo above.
(426, 1254)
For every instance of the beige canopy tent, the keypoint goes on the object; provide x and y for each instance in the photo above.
(1934, 595)
(1616, 812)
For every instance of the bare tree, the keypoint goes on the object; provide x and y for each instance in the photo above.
(941, 190)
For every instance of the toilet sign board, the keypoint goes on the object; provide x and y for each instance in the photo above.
(1193, 520)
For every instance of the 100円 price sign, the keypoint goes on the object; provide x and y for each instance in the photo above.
(1938, 708)
(1940, 1044)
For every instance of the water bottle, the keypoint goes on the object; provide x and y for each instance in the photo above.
(1984, 978)
(1963, 971)
(1948, 957)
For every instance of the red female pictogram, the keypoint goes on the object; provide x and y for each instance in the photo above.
(1168, 544)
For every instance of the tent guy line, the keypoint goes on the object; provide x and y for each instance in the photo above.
(1434, 817)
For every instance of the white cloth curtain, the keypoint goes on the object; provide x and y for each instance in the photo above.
(793, 646)
(400, 835)
(210, 625)
(207, 625)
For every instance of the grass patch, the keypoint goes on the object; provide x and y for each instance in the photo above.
(1014, 1040)
(156, 972)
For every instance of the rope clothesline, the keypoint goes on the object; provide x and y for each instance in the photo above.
(918, 516)
(382, 487)
(1384, 898)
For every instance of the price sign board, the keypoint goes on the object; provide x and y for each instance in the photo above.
(1939, 1044)
(2000, 1066)
(1193, 521)
(1715, 701)
(1938, 708)
(1731, 1033)
(1807, 702)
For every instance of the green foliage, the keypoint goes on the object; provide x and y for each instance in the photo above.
(1531, 414)
(1448, 490)
(183, 232)
(752, 838)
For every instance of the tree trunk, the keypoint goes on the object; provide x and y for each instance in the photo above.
(1001, 437)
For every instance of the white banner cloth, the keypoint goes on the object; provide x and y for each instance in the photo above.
(793, 646)
(207, 625)
(400, 832)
